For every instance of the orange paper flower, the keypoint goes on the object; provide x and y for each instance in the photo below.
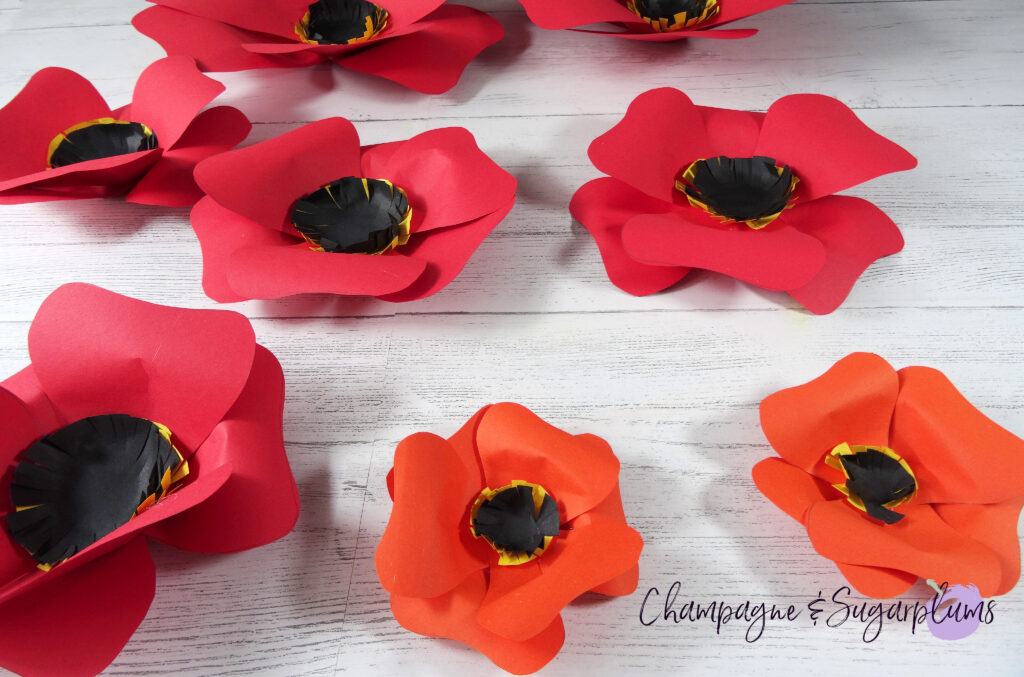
(470, 552)
(896, 476)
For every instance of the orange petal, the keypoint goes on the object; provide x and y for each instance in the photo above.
(995, 526)
(515, 444)
(851, 402)
(791, 489)
(610, 510)
(453, 615)
(920, 544)
(957, 453)
(877, 582)
(426, 549)
(522, 602)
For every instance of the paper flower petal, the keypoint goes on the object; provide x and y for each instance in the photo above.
(672, 36)
(453, 615)
(610, 509)
(734, 11)
(852, 402)
(920, 544)
(449, 180)
(215, 46)
(603, 206)
(958, 454)
(661, 133)
(77, 624)
(732, 132)
(575, 562)
(409, 12)
(35, 116)
(263, 181)
(855, 233)
(259, 503)
(427, 548)
(791, 489)
(168, 96)
(432, 59)
(993, 525)
(445, 253)
(182, 368)
(516, 444)
(273, 17)
(877, 582)
(570, 13)
(778, 257)
(826, 145)
(102, 177)
(170, 182)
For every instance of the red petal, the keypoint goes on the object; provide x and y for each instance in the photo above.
(851, 402)
(570, 13)
(602, 206)
(170, 182)
(448, 179)
(103, 177)
(993, 525)
(661, 134)
(78, 624)
(519, 605)
(215, 46)
(791, 489)
(731, 132)
(259, 503)
(274, 17)
(516, 444)
(855, 233)
(430, 60)
(262, 182)
(610, 509)
(454, 616)
(920, 544)
(96, 352)
(958, 454)
(877, 582)
(408, 12)
(168, 96)
(672, 36)
(445, 253)
(427, 548)
(778, 257)
(826, 145)
(53, 100)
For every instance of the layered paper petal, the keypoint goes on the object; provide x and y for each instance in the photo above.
(168, 96)
(454, 615)
(559, 15)
(260, 502)
(432, 59)
(182, 368)
(877, 582)
(827, 145)
(79, 623)
(995, 526)
(791, 489)
(603, 206)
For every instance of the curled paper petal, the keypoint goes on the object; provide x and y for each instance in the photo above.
(790, 488)
(169, 94)
(993, 525)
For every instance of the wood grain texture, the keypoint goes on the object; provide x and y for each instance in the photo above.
(672, 381)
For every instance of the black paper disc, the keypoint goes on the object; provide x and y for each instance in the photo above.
(671, 15)
(79, 483)
(877, 479)
(354, 216)
(341, 22)
(753, 190)
(95, 139)
(518, 520)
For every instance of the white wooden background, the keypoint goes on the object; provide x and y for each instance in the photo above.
(672, 381)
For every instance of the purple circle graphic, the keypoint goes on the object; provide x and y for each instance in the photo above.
(956, 613)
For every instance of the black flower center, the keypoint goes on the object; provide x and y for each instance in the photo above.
(354, 216)
(518, 520)
(78, 484)
(95, 139)
(672, 15)
(877, 479)
(341, 22)
(750, 189)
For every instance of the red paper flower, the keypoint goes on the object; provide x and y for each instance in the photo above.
(750, 195)
(496, 529)
(423, 209)
(417, 43)
(99, 360)
(896, 476)
(61, 141)
(651, 20)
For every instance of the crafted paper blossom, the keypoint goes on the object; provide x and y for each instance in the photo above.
(749, 195)
(496, 529)
(896, 476)
(419, 44)
(312, 211)
(61, 141)
(650, 20)
(132, 421)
